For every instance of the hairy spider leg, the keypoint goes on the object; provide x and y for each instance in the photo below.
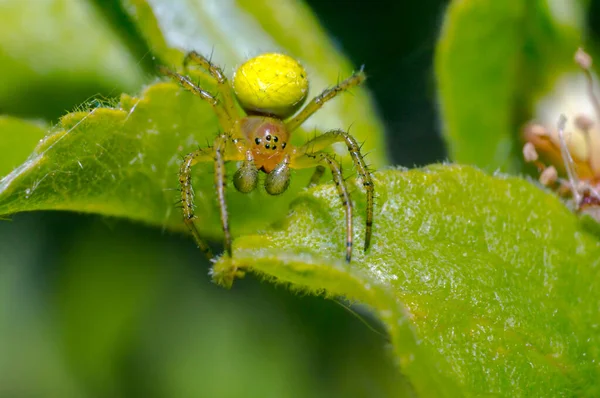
(219, 153)
(223, 86)
(227, 115)
(225, 119)
(308, 160)
(328, 94)
(220, 185)
(327, 139)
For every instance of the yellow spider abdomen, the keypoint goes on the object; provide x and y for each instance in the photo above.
(274, 84)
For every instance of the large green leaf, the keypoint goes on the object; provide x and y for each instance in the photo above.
(493, 59)
(487, 285)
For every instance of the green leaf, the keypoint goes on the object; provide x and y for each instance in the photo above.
(59, 51)
(124, 162)
(487, 285)
(230, 32)
(493, 59)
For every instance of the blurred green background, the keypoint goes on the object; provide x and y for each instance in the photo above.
(96, 307)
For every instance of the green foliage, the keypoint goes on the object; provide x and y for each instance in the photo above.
(487, 285)
(492, 60)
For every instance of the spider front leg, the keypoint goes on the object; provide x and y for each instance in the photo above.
(323, 141)
(219, 153)
(187, 194)
(316, 159)
(223, 86)
(226, 118)
(327, 95)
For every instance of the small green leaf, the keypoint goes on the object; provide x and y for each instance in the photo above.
(493, 59)
(487, 285)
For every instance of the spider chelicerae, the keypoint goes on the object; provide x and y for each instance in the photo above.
(270, 88)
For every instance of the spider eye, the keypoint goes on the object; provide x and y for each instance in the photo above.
(271, 83)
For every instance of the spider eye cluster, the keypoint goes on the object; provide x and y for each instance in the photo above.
(274, 84)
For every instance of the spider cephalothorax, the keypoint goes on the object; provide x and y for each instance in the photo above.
(268, 138)
(270, 89)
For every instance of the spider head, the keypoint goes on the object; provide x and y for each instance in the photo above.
(271, 84)
(268, 140)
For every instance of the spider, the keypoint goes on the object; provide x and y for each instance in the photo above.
(270, 88)
(576, 152)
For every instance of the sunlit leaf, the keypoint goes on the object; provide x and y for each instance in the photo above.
(487, 285)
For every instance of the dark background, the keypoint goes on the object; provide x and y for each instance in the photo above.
(395, 40)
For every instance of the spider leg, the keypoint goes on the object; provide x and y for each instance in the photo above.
(225, 90)
(327, 139)
(312, 159)
(225, 119)
(187, 194)
(220, 186)
(328, 94)
(219, 153)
